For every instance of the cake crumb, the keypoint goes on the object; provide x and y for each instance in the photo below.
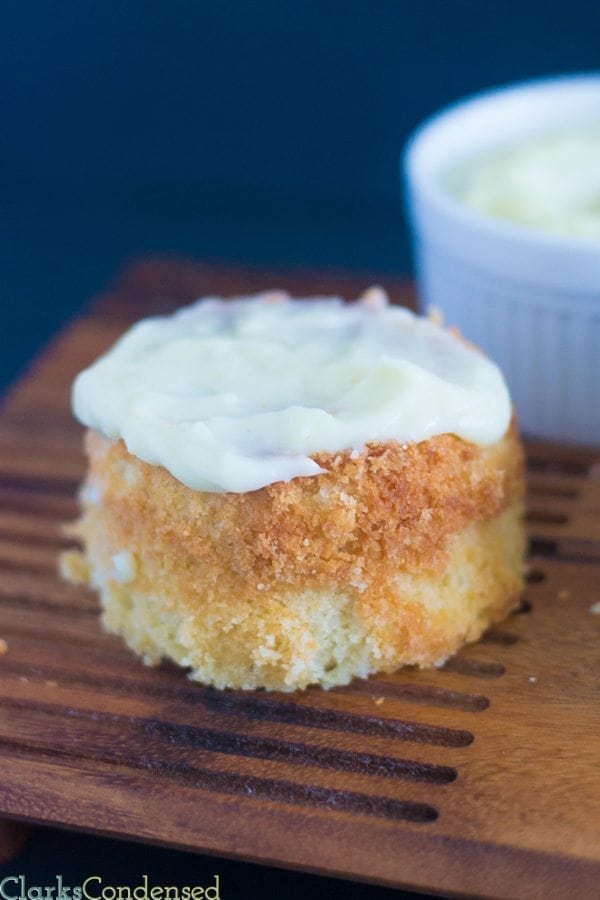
(379, 701)
(275, 297)
(564, 594)
(595, 608)
(435, 315)
(49, 682)
(24, 679)
(125, 566)
(375, 297)
(533, 679)
(73, 567)
(3, 647)
(90, 494)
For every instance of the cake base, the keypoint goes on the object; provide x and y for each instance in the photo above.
(396, 556)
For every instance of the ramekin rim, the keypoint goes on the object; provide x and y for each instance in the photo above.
(494, 226)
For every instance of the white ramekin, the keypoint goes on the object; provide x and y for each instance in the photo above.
(531, 300)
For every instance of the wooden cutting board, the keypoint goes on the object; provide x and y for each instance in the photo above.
(479, 779)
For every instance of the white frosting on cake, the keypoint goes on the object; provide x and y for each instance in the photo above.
(233, 395)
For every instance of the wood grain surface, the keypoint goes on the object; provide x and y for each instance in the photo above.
(478, 779)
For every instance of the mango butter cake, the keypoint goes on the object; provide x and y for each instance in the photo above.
(284, 492)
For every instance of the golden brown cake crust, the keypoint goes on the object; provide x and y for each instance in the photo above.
(393, 503)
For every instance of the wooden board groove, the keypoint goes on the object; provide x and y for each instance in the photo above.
(140, 736)
(480, 778)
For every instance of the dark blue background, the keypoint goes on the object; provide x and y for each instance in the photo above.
(263, 131)
(266, 130)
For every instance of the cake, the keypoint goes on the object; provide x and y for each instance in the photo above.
(284, 492)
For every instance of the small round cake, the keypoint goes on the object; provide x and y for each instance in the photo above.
(284, 492)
